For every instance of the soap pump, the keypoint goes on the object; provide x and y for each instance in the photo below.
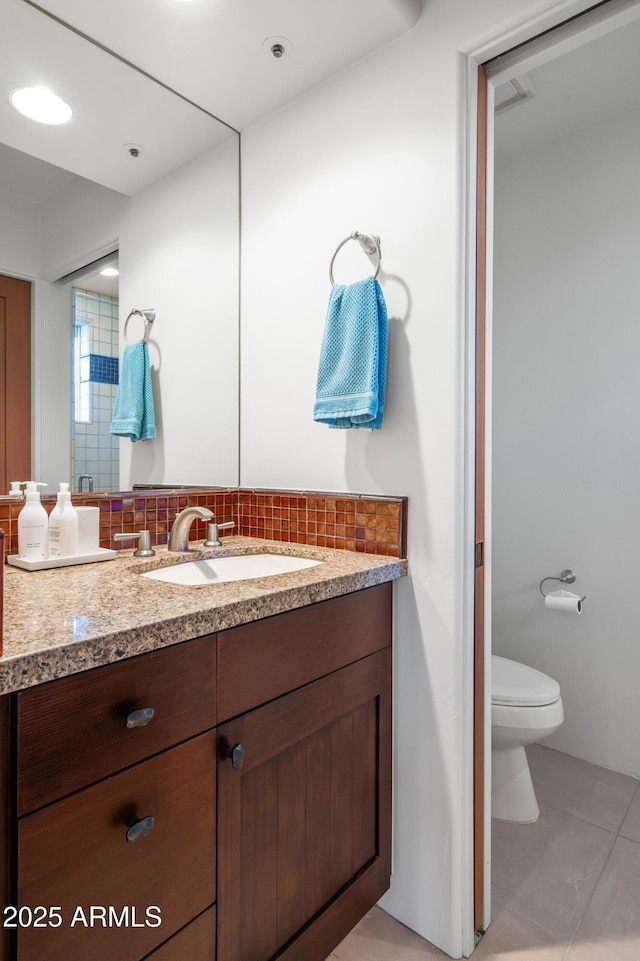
(63, 526)
(33, 523)
(16, 488)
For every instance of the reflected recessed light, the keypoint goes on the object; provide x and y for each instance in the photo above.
(41, 104)
(110, 272)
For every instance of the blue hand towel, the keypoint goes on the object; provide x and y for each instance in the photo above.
(133, 414)
(353, 358)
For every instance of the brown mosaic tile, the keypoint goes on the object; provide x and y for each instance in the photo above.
(347, 521)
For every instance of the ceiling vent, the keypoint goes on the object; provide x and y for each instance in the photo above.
(513, 92)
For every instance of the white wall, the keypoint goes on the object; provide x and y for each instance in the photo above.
(78, 224)
(51, 384)
(381, 148)
(567, 423)
(179, 256)
(19, 226)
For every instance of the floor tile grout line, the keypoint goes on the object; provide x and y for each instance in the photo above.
(614, 836)
(627, 812)
(595, 888)
(583, 819)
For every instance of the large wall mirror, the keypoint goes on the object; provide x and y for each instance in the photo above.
(142, 176)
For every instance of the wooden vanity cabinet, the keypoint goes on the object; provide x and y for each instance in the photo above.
(85, 727)
(116, 807)
(266, 769)
(6, 821)
(304, 816)
(77, 853)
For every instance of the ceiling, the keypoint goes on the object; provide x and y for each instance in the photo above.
(205, 70)
(209, 59)
(579, 88)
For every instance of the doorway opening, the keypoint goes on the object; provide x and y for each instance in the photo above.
(96, 459)
(551, 115)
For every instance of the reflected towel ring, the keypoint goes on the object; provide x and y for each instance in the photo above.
(370, 243)
(148, 316)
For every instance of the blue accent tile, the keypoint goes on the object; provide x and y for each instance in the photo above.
(103, 370)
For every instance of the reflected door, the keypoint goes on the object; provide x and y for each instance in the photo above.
(15, 381)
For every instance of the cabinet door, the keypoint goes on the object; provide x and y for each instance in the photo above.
(304, 816)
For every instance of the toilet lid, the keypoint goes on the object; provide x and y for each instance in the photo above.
(519, 685)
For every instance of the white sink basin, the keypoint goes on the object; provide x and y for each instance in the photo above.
(218, 570)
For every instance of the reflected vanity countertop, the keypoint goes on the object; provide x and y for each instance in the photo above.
(65, 620)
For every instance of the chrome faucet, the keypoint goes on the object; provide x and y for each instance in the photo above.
(179, 536)
(89, 480)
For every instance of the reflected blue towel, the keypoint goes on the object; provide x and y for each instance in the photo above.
(133, 414)
(353, 358)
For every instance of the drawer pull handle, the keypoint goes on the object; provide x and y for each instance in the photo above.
(236, 753)
(140, 718)
(139, 828)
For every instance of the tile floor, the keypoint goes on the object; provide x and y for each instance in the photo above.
(566, 888)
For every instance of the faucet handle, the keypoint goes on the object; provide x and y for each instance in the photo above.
(144, 548)
(213, 539)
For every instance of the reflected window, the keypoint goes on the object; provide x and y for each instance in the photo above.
(82, 370)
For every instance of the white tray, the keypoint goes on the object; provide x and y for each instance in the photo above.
(100, 554)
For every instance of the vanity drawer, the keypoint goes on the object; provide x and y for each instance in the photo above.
(74, 731)
(262, 660)
(196, 942)
(75, 853)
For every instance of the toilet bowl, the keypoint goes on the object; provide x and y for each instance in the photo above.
(525, 707)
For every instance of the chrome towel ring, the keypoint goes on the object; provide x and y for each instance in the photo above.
(148, 316)
(370, 243)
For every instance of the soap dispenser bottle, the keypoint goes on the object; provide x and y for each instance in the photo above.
(63, 526)
(33, 523)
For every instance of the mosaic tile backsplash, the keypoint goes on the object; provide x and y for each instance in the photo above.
(353, 522)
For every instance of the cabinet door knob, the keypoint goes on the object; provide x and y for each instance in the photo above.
(236, 753)
(141, 717)
(139, 828)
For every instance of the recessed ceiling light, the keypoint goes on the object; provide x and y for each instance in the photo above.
(277, 47)
(41, 104)
(133, 149)
(110, 272)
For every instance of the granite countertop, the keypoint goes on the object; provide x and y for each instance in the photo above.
(69, 619)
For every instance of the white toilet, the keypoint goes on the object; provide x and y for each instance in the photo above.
(525, 707)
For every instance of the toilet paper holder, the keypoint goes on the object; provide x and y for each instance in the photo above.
(566, 577)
